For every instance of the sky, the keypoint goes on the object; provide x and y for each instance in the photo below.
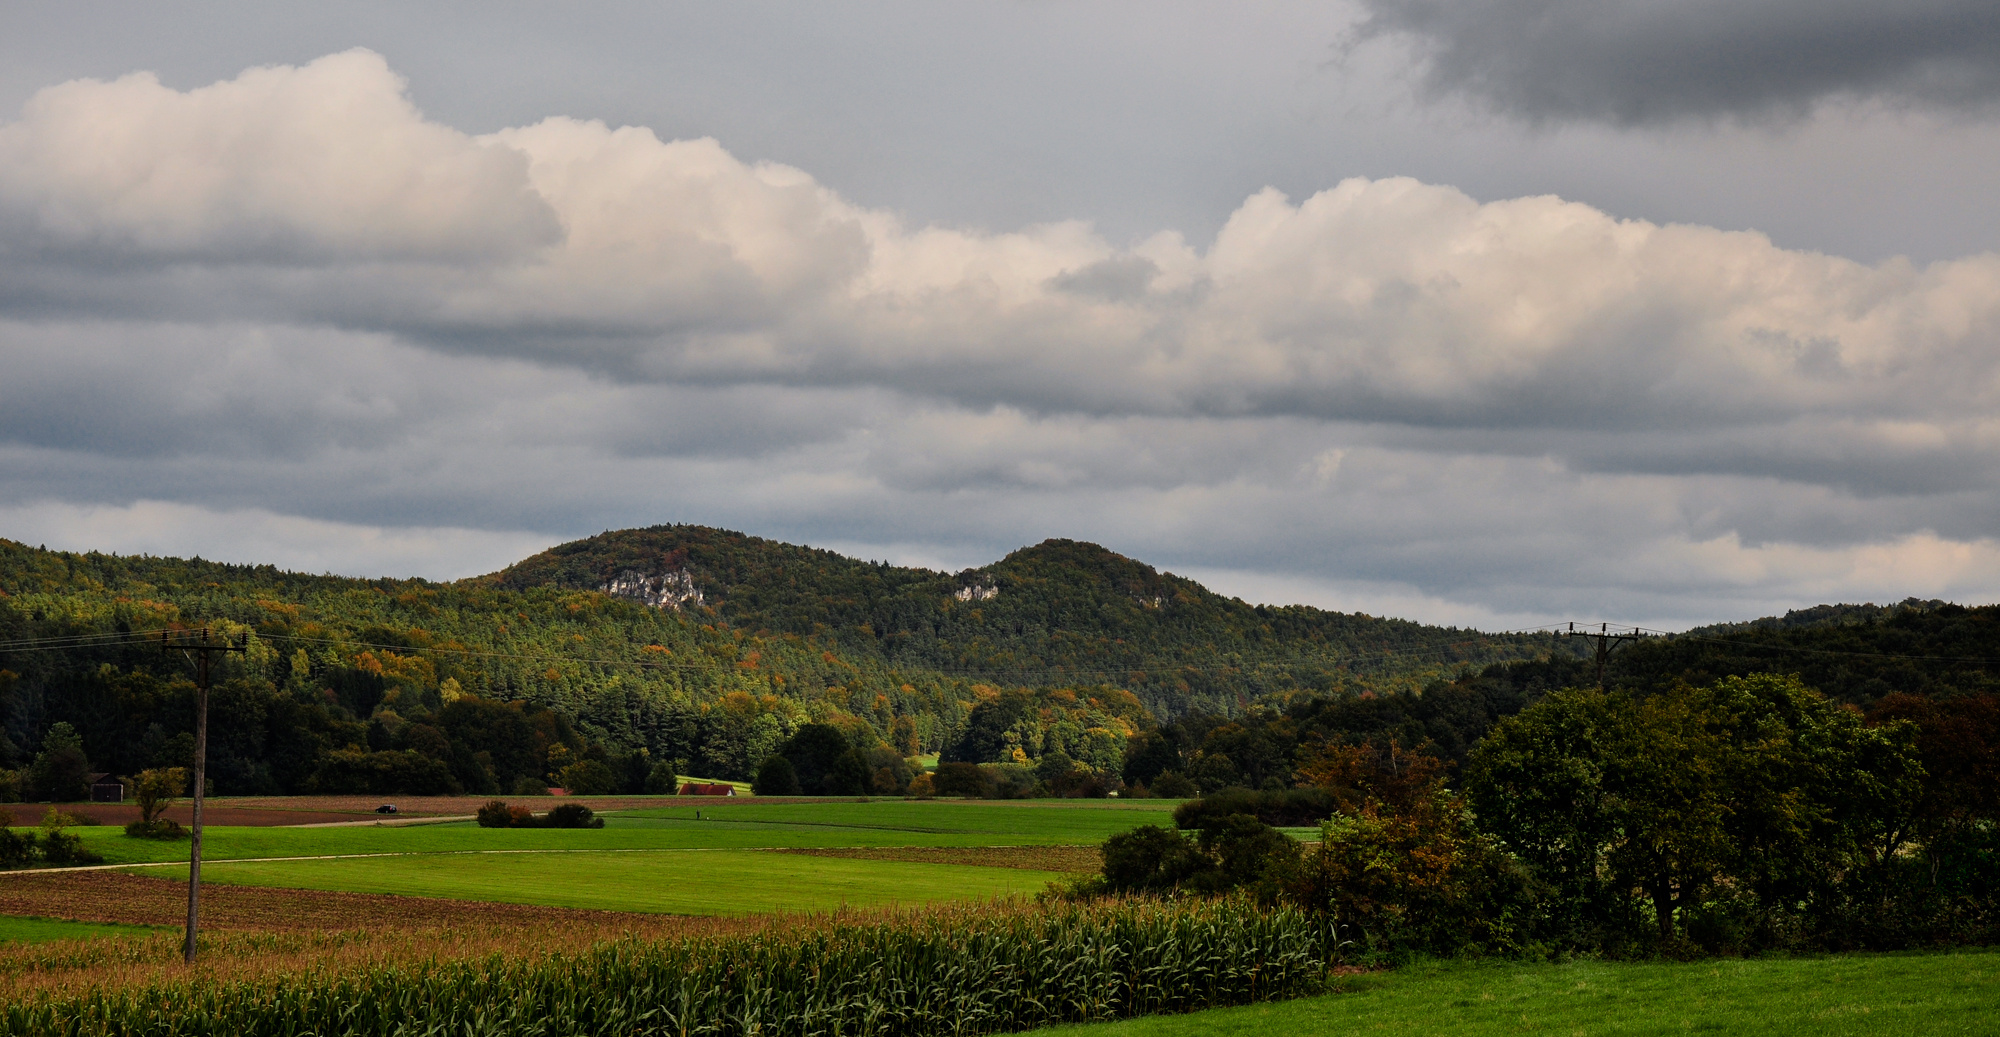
(1486, 312)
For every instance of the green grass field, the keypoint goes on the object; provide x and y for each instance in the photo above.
(43, 930)
(1915, 994)
(724, 825)
(659, 859)
(694, 882)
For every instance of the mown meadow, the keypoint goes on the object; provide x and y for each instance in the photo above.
(1922, 995)
(743, 824)
(712, 859)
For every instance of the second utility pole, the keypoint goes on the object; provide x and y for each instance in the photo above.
(201, 652)
(1606, 641)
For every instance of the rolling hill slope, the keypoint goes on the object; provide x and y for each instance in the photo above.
(1059, 613)
(695, 646)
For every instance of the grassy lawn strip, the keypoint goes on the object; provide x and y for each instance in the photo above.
(1922, 994)
(1031, 858)
(43, 930)
(1050, 821)
(714, 882)
(723, 825)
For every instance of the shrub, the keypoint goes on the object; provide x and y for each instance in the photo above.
(588, 778)
(1171, 785)
(962, 779)
(661, 780)
(1289, 808)
(776, 778)
(18, 849)
(571, 815)
(496, 814)
(61, 772)
(1151, 859)
(165, 828)
(1011, 781)
(384, 773)
(60, 846)
(813, 751)
(155, 791)
(849, 775)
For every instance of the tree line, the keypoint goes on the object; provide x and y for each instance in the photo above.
(1747, 814)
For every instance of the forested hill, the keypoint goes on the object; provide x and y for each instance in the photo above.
(708, 650)
(408, 685)
(1059, 613)
(1853, 653)
(698, 647)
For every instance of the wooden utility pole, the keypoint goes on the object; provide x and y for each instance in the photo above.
(201, 652)
(1606, 641)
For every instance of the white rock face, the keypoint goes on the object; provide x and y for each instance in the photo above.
(977, 592)
(670, 590)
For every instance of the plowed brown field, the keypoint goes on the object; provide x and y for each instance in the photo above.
(306, 810)
(111, 896)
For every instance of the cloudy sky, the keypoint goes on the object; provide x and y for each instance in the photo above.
(1491, 312)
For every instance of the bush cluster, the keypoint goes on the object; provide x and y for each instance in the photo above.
(154, 791)
(52, 844)
(818, 760)
(497, 814)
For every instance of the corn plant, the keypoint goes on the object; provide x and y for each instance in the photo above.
(946, 973)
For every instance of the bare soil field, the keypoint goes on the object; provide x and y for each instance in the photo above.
(119, 815)
(111, 896)
(255, 811)
(1028, 858)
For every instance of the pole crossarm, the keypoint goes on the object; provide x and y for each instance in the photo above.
(200, 650)
(1607, 640)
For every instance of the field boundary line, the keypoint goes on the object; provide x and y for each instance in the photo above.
(474, 853)
(384, 822)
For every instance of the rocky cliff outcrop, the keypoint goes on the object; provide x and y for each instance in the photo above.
(674, 590)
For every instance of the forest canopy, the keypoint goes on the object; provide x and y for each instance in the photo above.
(1062, 669)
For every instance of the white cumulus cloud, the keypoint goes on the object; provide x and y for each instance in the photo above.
(569, 325)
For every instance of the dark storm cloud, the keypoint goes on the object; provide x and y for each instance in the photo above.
(1651, 61)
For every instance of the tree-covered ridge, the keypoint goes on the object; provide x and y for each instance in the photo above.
(1060, 613)
(1854, 654)
(1819, 616)
(381, 685)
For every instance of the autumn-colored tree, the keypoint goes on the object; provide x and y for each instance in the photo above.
(1401, 861)
(155, 790)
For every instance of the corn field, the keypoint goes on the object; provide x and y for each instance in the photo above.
(943, 973)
